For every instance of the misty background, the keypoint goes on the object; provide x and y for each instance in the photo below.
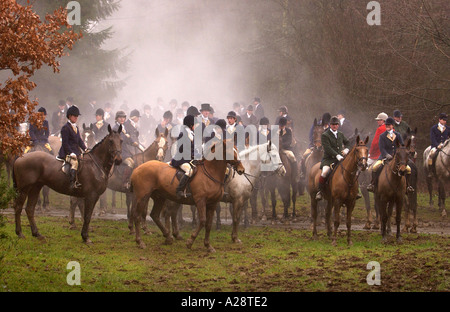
(311, 56)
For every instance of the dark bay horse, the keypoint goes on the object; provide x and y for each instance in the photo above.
(32, 171)
(341, 189)
(411, 197)
(391, 189)
(155, 179)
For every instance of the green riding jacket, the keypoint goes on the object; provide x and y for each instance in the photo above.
(332, 147)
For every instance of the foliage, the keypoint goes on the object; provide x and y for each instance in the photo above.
(27, 44)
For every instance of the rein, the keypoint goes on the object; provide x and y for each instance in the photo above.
(202, 164)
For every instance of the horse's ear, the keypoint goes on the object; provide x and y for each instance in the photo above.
(357, 139)
(315, 122)
(356, 132)
(109, 128)
(166, 133)
(84, 126)
(366, 140)
(120, 129)
(91, 126)
(157, 132)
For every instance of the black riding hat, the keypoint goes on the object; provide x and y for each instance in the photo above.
(221, 123)
(42, 110)
(443, 116)
(193, 111)
(74, 111)
(326, 118)
(135, 113)
(389, 121)
(334, 121)
(282, 121)
(100, 112)
(189, 121)
(232, 114)
(264, 121)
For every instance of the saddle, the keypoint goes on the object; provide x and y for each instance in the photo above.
(179, 174)
(65, 167)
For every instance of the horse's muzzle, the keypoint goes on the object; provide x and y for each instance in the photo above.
(117, 161)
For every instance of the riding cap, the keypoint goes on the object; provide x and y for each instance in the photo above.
(232, 114)
(397, 113)
(221, 123)
(135, 113)
(42, 110)
(193, 111)
(120, 114)
(250, 108)
(62, 103)
(74, 111)
(168, 115)
(283, 109)
(382, 116)
(257, 99)
(189, 121)
(264, 121)
(334, 121)
(443, 116)
(282, 121)
(341, 112)
(100, 112)
(390, 121)
(326, 118)
(205, 107)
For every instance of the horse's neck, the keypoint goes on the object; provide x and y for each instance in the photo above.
(216, 168)
(103, 156)
(148, 154)
(350, 163)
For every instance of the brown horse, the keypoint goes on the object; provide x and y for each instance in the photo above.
(342, 188)
(155, 179)
(32, 171)
(391, 189)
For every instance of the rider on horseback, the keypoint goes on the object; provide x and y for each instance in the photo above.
(72, 145)
(40, 136)
(439, 134)
(285, 145)
(387, 143)
(181, 162)
(332, 142)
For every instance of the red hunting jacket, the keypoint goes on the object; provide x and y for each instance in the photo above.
(375, 148)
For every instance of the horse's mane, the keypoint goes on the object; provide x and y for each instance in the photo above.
(251, 149)
(99, 143)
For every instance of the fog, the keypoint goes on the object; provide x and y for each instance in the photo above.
(180, 50)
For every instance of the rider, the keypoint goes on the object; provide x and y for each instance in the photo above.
(283, 112)
(400, 125)
(388, 145)
(72, 145)
(264, 131)
(100, 128)
(332, 142)
(438, 134)
(374, 152)
(40, 136)
(185, 163)
(285, 134)
(129, 143)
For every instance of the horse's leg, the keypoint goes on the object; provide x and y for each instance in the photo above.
(113, 201)
(201, 210)
(350, 206)
(139, 205)
(209, 219)
(18, 206)
(274, 204)
(366, 196)
(218, 221)
(314, 216)
(194, 215)
(413, 207)
(337, 219)
(158, 205)
(294, 199)
(286, 198)
(263, 202)
(376, 206)
(244, 209)
(72, 207)
(407, 225)
(103, 204)
(236, 218)
(382, 206)
(166, 214)
(430, 190)
(45, 195)
(254, 205)
(174, 215)
(442, 200)
(328, 209)
(390, 212)
(398, 216)
(89, 204)
(33, 196)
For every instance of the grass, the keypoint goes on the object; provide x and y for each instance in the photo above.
(270, 260)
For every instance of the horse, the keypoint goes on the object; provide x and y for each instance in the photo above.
(88, 137)
(342, 188)
(32, 171)
(442, 164)
(391, 189)
(154, 179)
(411, 197)
(156, 151)
(240, 188)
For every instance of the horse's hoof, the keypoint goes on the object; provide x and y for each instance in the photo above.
(375, 227)
(21, 236)
(72, 227)
(178, 237)
(405, 229)
(399, 240)
(315, 237)
(350, 243)
(168, 241)
(211, 249)
(141, 245)
(367, 226)
(41, 238)
(189, 243)
(413, 230)
(236, 241)
(88, 242)
(334, 243)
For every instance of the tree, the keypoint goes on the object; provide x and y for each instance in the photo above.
(27, 43)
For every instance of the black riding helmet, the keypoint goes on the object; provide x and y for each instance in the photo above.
(389, 121)
(334, 121)
(42, 110)
(189, 121)
(74, 111)
(264, 121)
(282, 121)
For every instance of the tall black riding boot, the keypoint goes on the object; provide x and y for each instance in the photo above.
(409, 188)
(180, 188)
(321, 186)
(73, 179)
(371, 186)
(126, 177)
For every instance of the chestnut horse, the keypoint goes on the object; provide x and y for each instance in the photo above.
(341, 189)
(155, 179)
(34, 170)
(391, 189)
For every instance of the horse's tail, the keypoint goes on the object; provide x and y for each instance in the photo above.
(131, 188)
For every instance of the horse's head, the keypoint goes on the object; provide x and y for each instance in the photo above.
(115, 144)
(274, 157)
(401, 158)
(317, 134)
(235, 161)
(361, 153)
(162, 143)
(411, 135)
(88, 136)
